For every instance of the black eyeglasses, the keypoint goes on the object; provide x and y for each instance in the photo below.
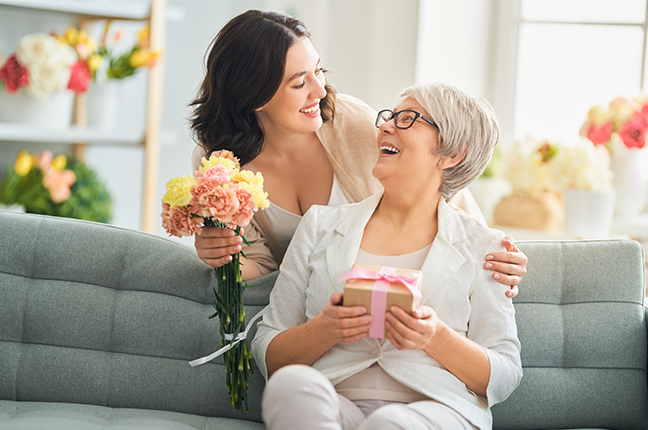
(403, 119)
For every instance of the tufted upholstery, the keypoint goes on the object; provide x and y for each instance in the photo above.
(97, 324)
(107, 317)
(582, 325)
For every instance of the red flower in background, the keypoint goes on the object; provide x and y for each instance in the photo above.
(13, 75)
(80, 77)
(633, 133)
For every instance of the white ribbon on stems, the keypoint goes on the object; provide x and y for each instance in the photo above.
(241, 336)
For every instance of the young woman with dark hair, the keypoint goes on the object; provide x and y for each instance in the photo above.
(264, 97)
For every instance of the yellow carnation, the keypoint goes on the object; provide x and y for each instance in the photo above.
(179, 191)
(215, 161)
(59, 162)
(249, 177)
(24, 163)
(258, 195)
(94, 61)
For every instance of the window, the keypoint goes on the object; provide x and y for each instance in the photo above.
(571, 55)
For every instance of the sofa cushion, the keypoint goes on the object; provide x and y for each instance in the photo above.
(111, 317)
(582, 325)
(69, 416)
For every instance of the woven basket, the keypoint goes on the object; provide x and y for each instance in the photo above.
(543, 211)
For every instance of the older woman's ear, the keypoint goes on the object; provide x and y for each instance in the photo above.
(446, 163)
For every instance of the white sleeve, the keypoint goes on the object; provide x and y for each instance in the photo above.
(288, 297)
(492, 325)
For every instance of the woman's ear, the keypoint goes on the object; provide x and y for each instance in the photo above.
(446, 163)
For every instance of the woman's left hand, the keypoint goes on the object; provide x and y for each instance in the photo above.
(509, 266)
(414, 331)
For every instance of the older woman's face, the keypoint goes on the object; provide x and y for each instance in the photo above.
(406, 154)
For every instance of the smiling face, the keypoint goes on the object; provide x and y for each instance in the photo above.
(406, 154)
(295, 105)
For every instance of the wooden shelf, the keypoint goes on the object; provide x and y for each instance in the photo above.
(138, 10)
(29, 133)
(156, 13)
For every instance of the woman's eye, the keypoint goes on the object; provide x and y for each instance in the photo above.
(301, 85)
(318, 71)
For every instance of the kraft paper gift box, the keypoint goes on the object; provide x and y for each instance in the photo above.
(378, 289)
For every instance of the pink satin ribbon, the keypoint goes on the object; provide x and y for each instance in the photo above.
(383, 278)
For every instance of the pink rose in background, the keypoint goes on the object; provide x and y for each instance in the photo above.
(643, 114)
(80, 77)
(247, 207)
(179, 221)
(44, 160)
(599, 134)
(59, 183)
(633, 133)
(13, 74)
(218, 174)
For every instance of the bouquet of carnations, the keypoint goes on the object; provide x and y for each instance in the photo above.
(624, 118)
(220, 194)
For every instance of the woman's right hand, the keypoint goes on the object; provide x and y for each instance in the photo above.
(344, 324)
(216, 245)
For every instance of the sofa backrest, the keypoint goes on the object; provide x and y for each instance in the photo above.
(582, 325)
(101, 315)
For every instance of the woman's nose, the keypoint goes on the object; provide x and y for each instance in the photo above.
(318, 91)
(387, 127)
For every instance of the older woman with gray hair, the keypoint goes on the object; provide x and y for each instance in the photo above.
(445, 364)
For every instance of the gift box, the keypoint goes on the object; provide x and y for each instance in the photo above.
(378, 289)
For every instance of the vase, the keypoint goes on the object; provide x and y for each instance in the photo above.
(630, 167)
(20, 107)
(103, 104)
(589, 214)
(12, 208)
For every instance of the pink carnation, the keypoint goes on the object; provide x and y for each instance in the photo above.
(633, 133)
(179, 221)
(599, 134)
(216, 202)
(247, 207)
(218, 174)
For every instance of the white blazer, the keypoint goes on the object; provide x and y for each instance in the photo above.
(454, 284)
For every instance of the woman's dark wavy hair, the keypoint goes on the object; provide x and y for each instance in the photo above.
(245, 67)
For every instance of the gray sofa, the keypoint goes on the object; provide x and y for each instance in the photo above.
(97, 324)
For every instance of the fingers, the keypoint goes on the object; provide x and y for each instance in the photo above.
(216, 245)
(512, 292)
(345, 324)
(509, 244)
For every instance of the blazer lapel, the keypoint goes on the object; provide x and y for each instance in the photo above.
(341, 254)
(443, 259)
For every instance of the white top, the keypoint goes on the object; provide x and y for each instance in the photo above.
(285, 223)
(374, 383)
(454, 284)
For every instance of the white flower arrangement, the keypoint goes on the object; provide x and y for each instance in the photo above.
(49, 63)
(581, 166)
(535, 167)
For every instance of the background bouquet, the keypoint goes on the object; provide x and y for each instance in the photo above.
(624, 118)
(120, 64)
(44, 64)
(48, 185)
(220, 194)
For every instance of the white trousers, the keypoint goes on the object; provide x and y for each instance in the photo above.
(300, 397)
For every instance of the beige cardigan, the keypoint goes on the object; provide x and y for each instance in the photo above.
(350, 144)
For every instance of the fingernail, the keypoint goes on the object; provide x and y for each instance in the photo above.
(489, 257)
(496, 276)
(488, 265)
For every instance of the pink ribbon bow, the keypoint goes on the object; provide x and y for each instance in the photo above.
(382, 279)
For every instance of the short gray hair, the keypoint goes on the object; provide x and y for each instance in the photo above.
(467, 125)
